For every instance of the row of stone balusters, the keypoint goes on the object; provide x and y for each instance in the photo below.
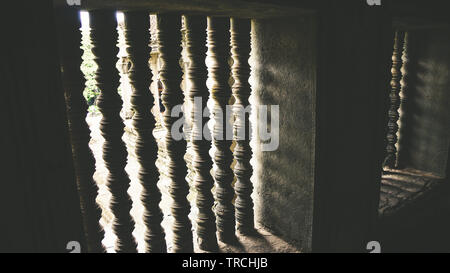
(217, 37)
(397, 97)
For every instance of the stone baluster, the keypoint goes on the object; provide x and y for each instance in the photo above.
(404, 90)
(393, 115)
(84, 162)
(240, 50)
(104, 39)
(137, 36)
(170, 74)
(219, 53)
(197, 74)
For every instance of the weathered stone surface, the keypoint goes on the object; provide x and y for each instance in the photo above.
(425, 129)
(400, 188)
(283, 73)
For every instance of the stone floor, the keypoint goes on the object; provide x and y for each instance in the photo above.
(263, 241)
(401, 187)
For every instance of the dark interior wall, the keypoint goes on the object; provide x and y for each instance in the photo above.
(39, 205)
(283, 73)
(354, 59)
(427, 133)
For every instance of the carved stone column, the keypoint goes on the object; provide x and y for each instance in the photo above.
(73, 83)
(240, 50)
(391, 150)
(197, 74)
(104, 40)
(137, 36)
(170, 74)
(403, 108)
(219, 53)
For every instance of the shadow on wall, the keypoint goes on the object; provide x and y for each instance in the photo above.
(283, 74)
(427, 118)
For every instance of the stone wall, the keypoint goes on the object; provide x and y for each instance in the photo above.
(283, 73)
(426, 134)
